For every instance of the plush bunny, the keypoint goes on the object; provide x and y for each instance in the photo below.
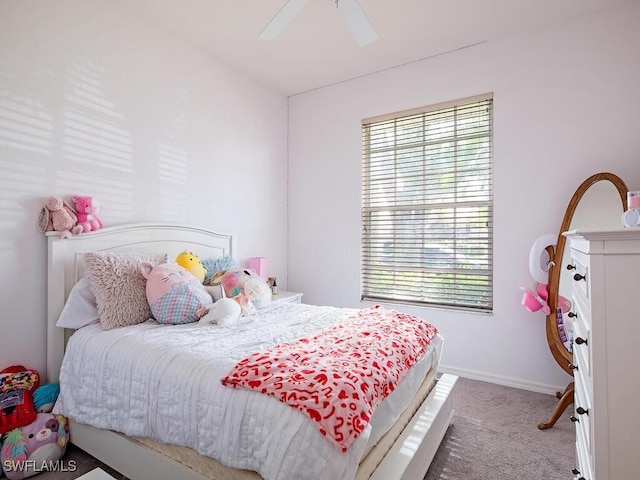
(57, 215)
(88, 209)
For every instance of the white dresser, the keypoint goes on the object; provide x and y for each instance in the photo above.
(605, 318)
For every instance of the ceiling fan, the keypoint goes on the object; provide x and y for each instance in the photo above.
(350, 10)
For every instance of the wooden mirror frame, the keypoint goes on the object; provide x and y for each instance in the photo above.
(564, 357)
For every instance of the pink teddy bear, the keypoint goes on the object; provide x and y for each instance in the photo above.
(88, 209)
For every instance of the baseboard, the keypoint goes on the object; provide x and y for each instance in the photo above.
(500, 380)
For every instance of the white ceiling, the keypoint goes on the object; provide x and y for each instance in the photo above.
(317, 49)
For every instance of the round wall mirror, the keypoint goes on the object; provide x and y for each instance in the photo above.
(598, 202)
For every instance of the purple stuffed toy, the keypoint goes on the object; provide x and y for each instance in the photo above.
(34, 448)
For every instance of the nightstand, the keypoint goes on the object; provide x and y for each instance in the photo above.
(286, 297)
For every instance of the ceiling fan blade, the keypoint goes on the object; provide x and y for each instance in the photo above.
(282, 19)
(357, 21)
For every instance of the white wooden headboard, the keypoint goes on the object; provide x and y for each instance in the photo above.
(65, 264)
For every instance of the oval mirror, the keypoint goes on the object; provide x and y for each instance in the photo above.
(598, 202)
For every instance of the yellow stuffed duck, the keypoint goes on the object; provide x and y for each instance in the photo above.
(192, 263)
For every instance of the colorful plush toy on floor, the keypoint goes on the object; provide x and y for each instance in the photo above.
(191, 262)
(88, 209)
(33, 448)
(17, 384)
(45, 396)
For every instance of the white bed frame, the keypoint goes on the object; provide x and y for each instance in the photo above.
(408, 458)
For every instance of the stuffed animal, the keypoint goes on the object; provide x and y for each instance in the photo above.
(216, 264)
(223, 312)
(236, 281)
(57, 215)
(216, 292)
(17, 384)
(29, 450)
(192, 263)
(88, 209)
(45, 396)
(246, 305)
(174, 294)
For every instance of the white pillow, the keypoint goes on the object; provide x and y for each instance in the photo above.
(80, 308)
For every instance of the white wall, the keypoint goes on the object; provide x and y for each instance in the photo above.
(95, 101)
(566, 103)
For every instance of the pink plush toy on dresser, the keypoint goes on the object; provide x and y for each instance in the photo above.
(88, 209)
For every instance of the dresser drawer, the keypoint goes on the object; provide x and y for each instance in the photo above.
(581, 306)
(582, 335)
(580, 273)
(581, 374)
(584, 466)
(582, 411)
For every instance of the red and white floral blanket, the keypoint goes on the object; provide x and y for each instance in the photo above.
(341, 375)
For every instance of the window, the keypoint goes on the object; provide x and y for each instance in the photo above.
(427, 206)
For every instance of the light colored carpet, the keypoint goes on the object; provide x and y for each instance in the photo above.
(494, 436)
(76, 463)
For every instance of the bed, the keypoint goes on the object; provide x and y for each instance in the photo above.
(402, 450)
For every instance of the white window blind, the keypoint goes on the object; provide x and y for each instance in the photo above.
(427, 206)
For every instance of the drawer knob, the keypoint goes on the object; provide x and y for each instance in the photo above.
(577, 277)
(573, 367)
(572, 315)
(571, 267)
(574, 419)
(581, 411)
(575, 471)
(580, 341)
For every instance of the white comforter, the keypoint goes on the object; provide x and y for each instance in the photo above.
(163, 382)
